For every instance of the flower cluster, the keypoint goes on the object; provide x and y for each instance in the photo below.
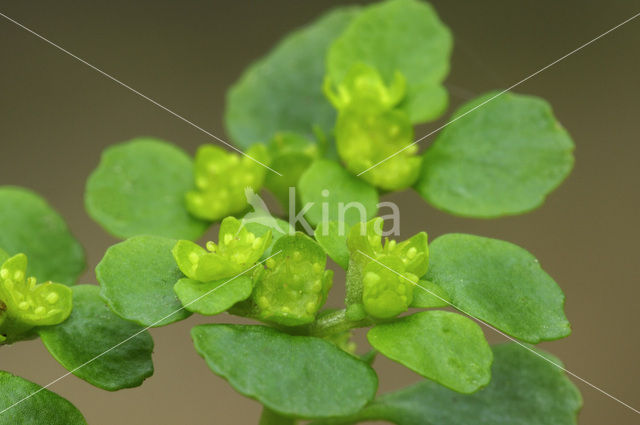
(371, 128)
(385, 273)
(24, 304)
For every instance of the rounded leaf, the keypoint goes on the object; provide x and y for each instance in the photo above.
(29, 225)
(500, 283)
(403, 36)
(213, 297)
(503, 158)
(137, 277)
(139, 187)
(445, 347)
(93, 330)
(525, 389)
(283, 91)
(327, 186)
(44, 407)
(297, 376)
(334, 244)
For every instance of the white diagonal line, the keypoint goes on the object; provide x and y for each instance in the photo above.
(504, 91)
(112, 78)
(503, 334)
(134, 335)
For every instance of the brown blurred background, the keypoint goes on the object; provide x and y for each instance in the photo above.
(56, 115)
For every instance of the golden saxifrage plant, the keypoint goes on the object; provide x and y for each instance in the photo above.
(326, 119)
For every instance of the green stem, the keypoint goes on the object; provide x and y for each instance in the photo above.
(269, 417)
(336, 322)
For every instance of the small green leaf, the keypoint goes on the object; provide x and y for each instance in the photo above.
(93, 330)
(334, 244)
(139, 188)
(3, 256)
(500, 283)
(36, 406)
(137, 278)
(222, 179)
(29, 225)
(291, 154)
(213, 297)
(403, 36)
(503, 158)
(525, 389)
(297, 376)
(295, 283)
(346, 198)
(429, 295)
(283, 90)
(445, 347)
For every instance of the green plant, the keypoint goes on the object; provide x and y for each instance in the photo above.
(339, 130)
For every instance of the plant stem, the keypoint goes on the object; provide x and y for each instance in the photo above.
(336, 322)
(269, 417)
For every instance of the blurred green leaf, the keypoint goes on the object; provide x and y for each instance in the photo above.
(291, 154)
(137, 278)
(445, 347)
(209, 298)
(283, 90)
(500, 283)
(41, 407)
(503, 158)
(403, 36)
(93, 330)
(334, 244)
(429, 295)
(525, 389)
(293, 375)
(139, 187)
(326, 182)
(29, 225)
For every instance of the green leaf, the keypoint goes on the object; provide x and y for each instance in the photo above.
(503, 158)
(295, 283)
(293, 375)
(93, 330)
(500, 283)
(291, 154)
(429, 295)
(42, 406)
(346, 198)
(403, 36)
(445, 347)
(334, 244)
(139, 187)
(213, 297)
(525, 389)
(29, 225)
(283, 91)
(137, 278)
(3, 256)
